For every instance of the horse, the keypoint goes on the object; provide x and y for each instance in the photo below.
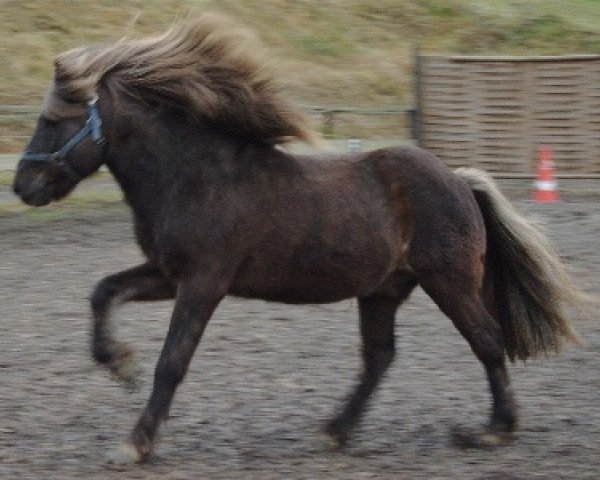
(191, 124)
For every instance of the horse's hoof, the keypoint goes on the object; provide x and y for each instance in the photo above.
(126, 455)
(484, 438)
(332, 442)
(335, 435)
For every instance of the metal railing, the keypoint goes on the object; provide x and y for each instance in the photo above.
(330, 116)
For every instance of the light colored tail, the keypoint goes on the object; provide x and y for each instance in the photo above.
(526, 287)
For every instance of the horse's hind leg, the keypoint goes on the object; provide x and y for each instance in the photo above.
(461, 302)
(142, 283)
(377, 314)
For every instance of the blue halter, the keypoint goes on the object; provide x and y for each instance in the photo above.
(92, 127)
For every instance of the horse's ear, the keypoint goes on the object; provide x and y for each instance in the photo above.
(59, 69)
(62, 67)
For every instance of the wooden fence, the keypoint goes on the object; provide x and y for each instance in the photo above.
(495, 112)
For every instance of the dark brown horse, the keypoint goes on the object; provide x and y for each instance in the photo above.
(189, 125)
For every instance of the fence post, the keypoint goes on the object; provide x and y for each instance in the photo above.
(328, 123)
(418, 100)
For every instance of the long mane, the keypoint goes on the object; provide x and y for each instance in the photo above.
(203, 67)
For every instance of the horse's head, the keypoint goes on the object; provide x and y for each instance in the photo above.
(59, 155)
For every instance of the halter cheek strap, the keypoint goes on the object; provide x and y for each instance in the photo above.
(92, 127)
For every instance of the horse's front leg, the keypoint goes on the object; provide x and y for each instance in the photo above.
(194, 305)
(142, 283)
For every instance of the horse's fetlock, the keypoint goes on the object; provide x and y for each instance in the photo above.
(101, 354)
(506, 421)
(338, 430)
(105, 350)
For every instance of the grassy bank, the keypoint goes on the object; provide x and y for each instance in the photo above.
(331, 52)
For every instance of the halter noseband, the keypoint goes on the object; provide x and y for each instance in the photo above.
(92, 127)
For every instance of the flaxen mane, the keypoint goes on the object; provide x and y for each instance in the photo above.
(202, 66)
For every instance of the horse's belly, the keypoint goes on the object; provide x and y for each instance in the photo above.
(313, 275)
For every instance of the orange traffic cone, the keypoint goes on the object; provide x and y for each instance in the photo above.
(544, 187)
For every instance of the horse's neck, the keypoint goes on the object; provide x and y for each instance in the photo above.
(149, 161)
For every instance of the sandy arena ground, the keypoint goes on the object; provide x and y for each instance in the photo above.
(267, 376)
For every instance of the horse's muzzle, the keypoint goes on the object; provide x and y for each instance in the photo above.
(36, 193)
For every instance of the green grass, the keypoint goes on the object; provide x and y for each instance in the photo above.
(47, 214)
(60, 210)
(6, 178)
(77, 201)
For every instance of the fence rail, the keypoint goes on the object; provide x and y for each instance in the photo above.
(17, 121)
(16, 125)
(29, 111)
(10, 113)
(21, 109)
(330, 117)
